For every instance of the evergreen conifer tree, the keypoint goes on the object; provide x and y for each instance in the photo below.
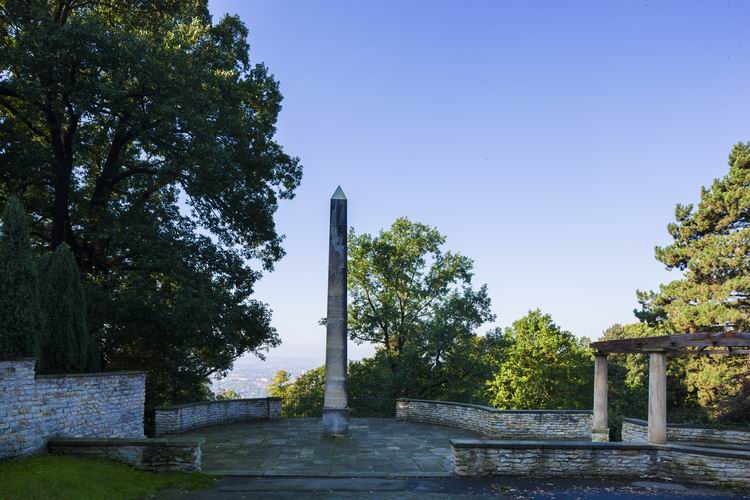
(66, 343)
(711, 248)
(19, 295)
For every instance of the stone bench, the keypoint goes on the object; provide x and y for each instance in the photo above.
(147, 454)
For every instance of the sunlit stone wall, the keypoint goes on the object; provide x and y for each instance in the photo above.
(504, 424)
(34, 408)
(635, 430)
(715, 467)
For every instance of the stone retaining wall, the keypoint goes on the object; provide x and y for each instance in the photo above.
(175, 419)
(473, 458)
(635, 430)
(147, 454)
(506, 424)
(36, 408)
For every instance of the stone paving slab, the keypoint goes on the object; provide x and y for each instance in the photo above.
(377, 447)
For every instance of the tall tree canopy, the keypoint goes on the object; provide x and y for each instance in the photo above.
(19, 297)
(544, 367)
(712, 249)
(140, 134)
(415, 301)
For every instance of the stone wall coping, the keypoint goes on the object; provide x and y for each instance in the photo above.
(222, 401)
(545, 444)
(496, 410)
(591, 445)
(638, 421)
(168, 442)
(96, 374)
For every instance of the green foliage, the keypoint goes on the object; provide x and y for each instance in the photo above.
(19, 298)
(711, 248)
(369, 389)
(371, 386)
(415, 301)
(711, 245)
(52, 477)
(533, 364)
(544, 368)
(140, 134)
(302, 397)
(227, 394)
(66, 345)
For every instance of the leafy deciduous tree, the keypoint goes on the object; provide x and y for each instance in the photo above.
(544, 367)
(302, 397)
(416, 303)
(140, 134)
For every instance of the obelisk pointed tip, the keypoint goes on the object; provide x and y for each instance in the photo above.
(338, 194)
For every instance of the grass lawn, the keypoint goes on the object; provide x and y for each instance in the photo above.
(52, 476)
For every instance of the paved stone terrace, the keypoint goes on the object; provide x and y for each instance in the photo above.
(377, 447)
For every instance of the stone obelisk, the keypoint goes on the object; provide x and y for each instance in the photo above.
(335, 405)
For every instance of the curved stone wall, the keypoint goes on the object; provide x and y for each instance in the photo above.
(502, 424)
(174, 419)
(635, 430)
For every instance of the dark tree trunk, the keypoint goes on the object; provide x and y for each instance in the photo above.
(61, 217)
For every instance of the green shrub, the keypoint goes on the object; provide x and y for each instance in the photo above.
(66, 345)
(19, 296)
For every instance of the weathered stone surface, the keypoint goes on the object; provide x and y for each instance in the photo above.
(147, 454)
(473, 458)
(635, 430)
(600, 430)
(174, 419)
(36, 408)
(335, 403)
(490, 422)
(657, 398)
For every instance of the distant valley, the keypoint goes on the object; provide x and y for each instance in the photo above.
(250, 377)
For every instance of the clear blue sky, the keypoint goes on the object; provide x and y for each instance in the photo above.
(550, 141)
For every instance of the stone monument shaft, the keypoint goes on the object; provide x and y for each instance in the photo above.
(335, 404)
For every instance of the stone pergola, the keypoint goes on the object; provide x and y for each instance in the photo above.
(687, 344)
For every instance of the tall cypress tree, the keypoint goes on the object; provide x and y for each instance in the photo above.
(66, 343)
(19, 297)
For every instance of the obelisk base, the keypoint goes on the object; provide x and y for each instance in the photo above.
(336, 422)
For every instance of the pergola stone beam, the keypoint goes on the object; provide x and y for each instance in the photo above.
(684, 343)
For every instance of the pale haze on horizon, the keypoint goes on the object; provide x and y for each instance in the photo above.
(548, 141)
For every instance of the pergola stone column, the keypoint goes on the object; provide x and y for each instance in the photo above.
(657, 397)
(600, 427)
